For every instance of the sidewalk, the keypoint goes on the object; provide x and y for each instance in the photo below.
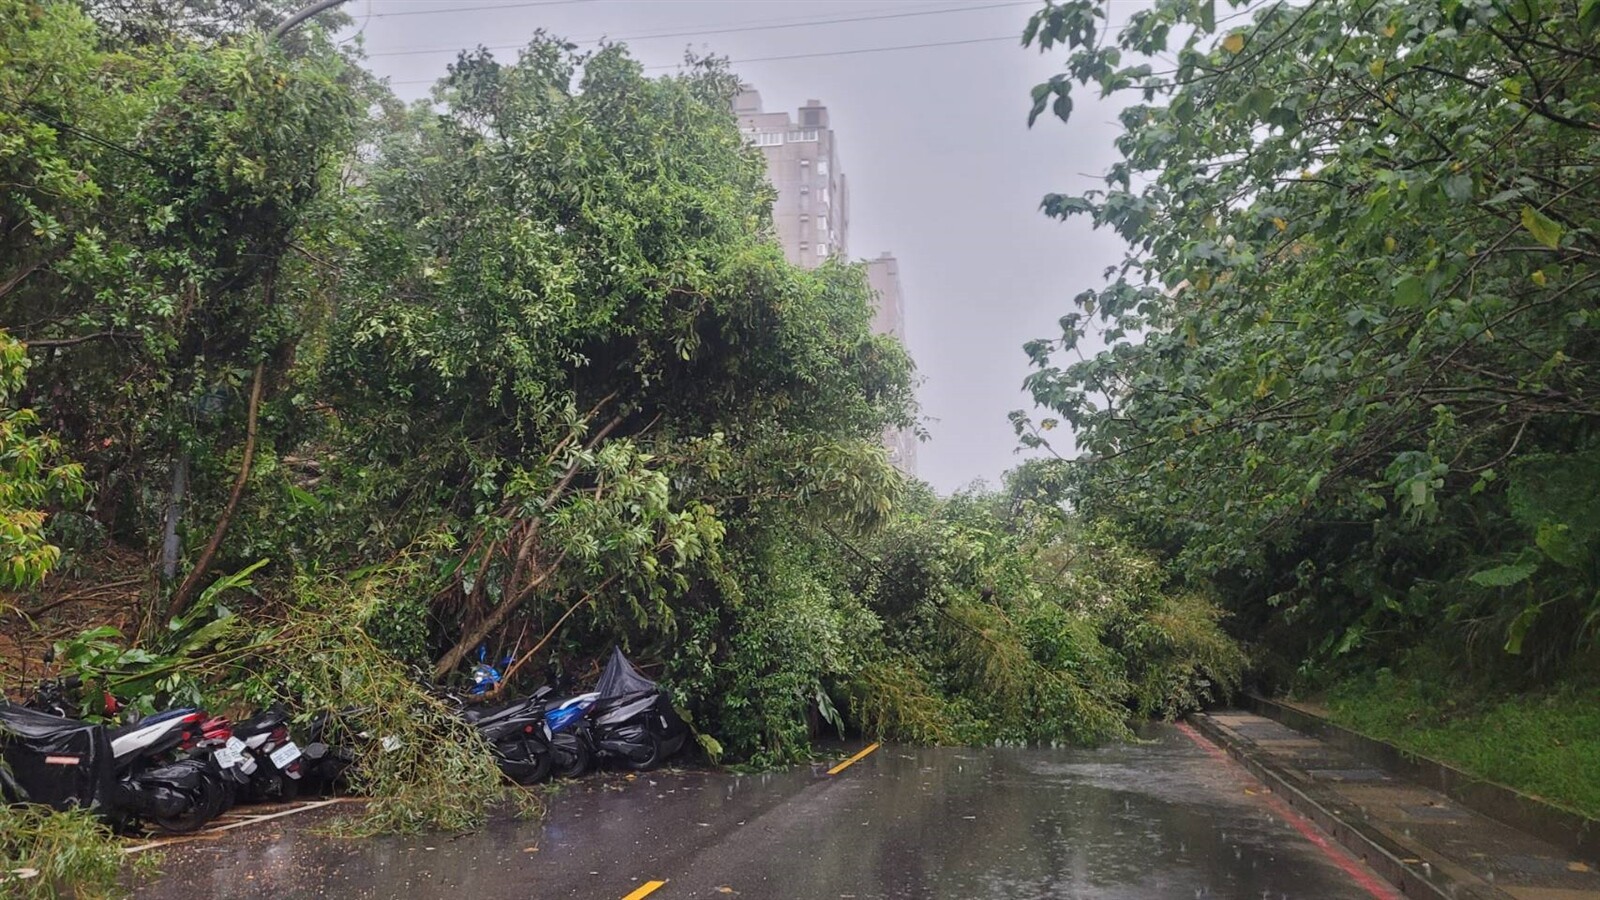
(1426, 843)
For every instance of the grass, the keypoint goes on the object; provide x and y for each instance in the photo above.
(1546, 744)
(46, 855)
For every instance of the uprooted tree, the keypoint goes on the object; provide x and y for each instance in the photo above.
(520, 368)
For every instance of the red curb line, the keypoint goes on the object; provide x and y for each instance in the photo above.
(1338, 855)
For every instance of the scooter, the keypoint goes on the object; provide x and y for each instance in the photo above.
(175, 795)
(270, 762)
(630, 719)
(569, 734)
(568, 749)
(518, 733)
(163, 765)
(332, 748)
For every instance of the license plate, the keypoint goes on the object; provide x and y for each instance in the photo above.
(235, 745)
(227, 757)
(284, 755)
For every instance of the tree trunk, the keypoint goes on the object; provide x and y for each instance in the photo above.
(169, 528)
(186, 591)
(494, 620)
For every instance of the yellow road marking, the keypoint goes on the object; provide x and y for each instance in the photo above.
(852, 760)
(645, 890)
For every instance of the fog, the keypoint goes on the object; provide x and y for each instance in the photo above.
(943, 170)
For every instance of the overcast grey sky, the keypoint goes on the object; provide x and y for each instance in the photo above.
(943, 171)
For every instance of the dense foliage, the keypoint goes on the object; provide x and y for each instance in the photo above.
(519, 370)
(1349, 360)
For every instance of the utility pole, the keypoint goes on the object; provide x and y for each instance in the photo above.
(302, 15)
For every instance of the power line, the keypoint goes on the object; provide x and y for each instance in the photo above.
(733, 29)
(753, 59)
(462, 9)
(987, 40)
(33, 112)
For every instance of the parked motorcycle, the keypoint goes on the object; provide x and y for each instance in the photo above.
(143, 746)
(627, 718)
(271, 763)
(517, 732)
(159, 780)
(55, 761)
(127, 773)
(630, 719)
(333, 745)
(569, 734)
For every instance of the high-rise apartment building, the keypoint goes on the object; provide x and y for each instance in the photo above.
(883, 273)
(812, 215)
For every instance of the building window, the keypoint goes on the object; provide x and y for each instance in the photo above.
(822, 167)
(802, 134)
(822, 250)
(825, 196)
(768, 138)
(805, 163)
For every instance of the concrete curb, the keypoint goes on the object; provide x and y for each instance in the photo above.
(1573, 832)
(1382, 852)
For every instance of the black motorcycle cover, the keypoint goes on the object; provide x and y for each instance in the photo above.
(621, 679)
(51, 760)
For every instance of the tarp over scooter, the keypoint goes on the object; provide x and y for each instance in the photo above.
(51, 760)
(621, 679)
(629, 705)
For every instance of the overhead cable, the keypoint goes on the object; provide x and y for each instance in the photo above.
(857, 52)
(734, 29)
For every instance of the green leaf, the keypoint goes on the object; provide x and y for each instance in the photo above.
(1410, 292)
(1518, 629)
(1544, 229)
(710, 745)
(1557, 543)
(1504, 576)
(1063, 106)
(1041, 99)
(1589, 13)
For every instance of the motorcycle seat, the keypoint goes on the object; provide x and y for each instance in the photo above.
(486, 715)
(258, 723)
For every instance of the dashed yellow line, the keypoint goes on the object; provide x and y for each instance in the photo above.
(645, 890)
(853, 760)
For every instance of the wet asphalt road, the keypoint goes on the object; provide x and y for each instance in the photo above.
(1161, 819)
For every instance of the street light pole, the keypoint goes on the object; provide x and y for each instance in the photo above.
(302, 15)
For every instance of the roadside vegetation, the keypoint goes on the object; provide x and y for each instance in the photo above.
(312, 396)
(1347, 372)
(1545, 742)
(48, 855)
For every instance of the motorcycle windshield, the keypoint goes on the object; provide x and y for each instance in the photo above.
(58, 762)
